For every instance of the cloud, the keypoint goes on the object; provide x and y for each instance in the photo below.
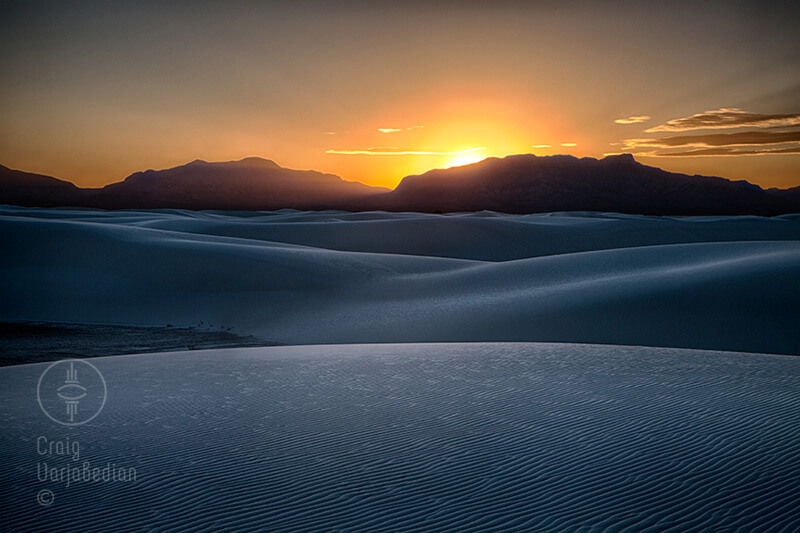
(729, 151)
(719, 144)
(540, 146)
(727, 117)
(396, 130)
(759, 134)
(569, 144)
(632, 120)
(399, 151)
(719, 139)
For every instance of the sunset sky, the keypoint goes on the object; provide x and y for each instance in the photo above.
(373, 91)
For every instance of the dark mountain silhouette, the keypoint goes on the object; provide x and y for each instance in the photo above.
(251, 183)
(25, 188)
(527, 183)
(792, 194)
(514, 184)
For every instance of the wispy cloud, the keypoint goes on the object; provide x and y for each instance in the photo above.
(400, 151)
(632, 120)
(569, 145)
(397, 130)
(719, 144)
(727, 117)
(756, 134)
(719, 139)
(730, 151)
(540, 146)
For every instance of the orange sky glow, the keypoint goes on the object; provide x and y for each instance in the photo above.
(373, 92)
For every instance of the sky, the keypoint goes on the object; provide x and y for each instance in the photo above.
(373, 91)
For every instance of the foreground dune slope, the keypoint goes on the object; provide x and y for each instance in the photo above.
(411, 437)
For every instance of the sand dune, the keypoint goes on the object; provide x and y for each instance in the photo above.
(457, 436)
(331, 277)
(447, 437)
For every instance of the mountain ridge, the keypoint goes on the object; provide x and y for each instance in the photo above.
(521, 183)
(616, 183)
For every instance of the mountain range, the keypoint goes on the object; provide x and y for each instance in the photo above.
(513, 184)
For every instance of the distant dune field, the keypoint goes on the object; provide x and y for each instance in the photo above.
(291, 277)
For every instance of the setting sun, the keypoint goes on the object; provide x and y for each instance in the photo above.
(465, 159)
(446, 126)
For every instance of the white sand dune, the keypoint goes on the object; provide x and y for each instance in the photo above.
(431, 437)
(416, 437)
(729, 283)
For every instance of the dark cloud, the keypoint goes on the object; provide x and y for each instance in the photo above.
(730, 151)
(720, 139)
(719, 144)
(727, 118)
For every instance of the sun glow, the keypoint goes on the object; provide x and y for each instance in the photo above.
(465, 159)
(449, 127)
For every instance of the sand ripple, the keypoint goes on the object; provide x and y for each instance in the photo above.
(427, 437)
